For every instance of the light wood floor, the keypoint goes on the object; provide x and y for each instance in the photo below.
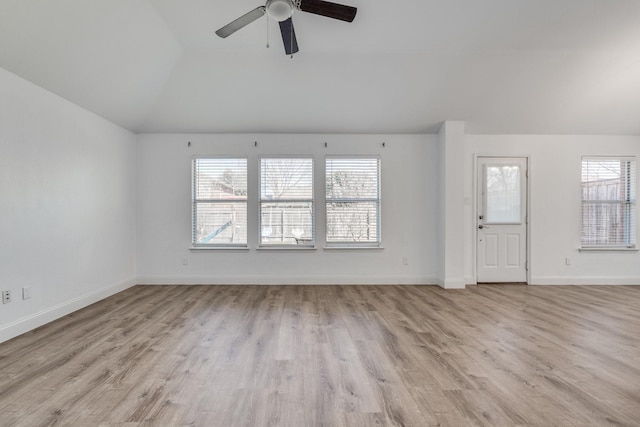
(332, 356)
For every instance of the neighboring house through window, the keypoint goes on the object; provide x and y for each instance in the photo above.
(353, 201)
(219, 202)
(608, 202)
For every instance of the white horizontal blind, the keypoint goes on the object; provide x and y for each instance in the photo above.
(353, 201)
(608, 202)
(286, 201)
(219, 202)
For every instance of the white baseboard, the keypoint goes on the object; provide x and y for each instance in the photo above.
(285, 280)
(28, 323)
(582, 280)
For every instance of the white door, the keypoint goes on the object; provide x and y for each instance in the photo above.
(501, 220)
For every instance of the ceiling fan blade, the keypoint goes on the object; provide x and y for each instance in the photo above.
(328, 9)
(289, 36)
(241, 22)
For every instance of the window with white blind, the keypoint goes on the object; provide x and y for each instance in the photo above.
(286, 201)
(608, 202)
(353, 201)
(219, 202)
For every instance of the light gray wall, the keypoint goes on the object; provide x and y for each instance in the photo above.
(451, 142)
(67, 212)
(409, 221)
(555, 206)
(79, 194)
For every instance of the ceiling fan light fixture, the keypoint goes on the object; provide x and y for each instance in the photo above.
(280, 10)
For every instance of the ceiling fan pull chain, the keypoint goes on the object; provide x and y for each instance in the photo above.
(268, 32)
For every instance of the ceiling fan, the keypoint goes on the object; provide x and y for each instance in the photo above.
(281, 11)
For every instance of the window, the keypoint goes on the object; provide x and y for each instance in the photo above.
(219, 202)
(608, 202)
(286, 201)
(503, 194)
(353, 201)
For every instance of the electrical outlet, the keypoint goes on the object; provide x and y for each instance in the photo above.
(405, 260)
(26, 292)
(567, 261)
(6, 297)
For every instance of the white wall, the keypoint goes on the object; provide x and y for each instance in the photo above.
(83, 201)
(409, 218)
(451, 143)
(555, 206)
(67, 212)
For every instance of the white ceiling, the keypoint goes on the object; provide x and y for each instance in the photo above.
(503, 66)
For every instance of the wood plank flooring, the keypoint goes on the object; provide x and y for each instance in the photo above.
(332, 356)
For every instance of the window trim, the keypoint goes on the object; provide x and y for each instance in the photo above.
(607, 249)
(354, 245)
(310, 245)
(625, 247)
(194, 202)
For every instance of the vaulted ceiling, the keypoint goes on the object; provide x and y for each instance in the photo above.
(503, 66)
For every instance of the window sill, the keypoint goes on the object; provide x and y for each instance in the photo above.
(293, 248)
(605, 249)
(219, 248)
(353, 248)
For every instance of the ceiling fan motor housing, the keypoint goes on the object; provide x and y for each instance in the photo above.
(280, 10)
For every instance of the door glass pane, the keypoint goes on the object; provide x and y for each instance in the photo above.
(502, 191)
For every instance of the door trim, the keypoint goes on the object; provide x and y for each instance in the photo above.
(474, 208)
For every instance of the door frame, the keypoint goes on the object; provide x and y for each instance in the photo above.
(474, 222)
